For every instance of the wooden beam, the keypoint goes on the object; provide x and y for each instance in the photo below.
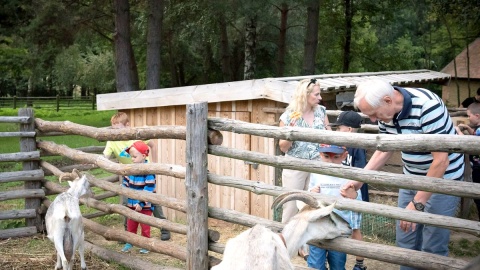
(382, 142)
(16, 214)
(18, 232)
(113, 167)
(26, 134)
(20, 156)
(33, 175)
(16, 119)
(103, 134)
(197, 186)
(22, 194)
(131, 262)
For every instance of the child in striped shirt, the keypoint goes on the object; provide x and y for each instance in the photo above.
(139, 152)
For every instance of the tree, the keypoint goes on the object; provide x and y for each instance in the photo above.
(348, 34)
(282, 37)
(155, 16)
(250, 46)
(311, 37)
(126, 72)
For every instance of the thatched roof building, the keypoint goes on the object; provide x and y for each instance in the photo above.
(466, 79)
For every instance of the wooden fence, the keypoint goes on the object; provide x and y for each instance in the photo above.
(57, 102)
(200, 238)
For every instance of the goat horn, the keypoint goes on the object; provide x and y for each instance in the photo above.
(295, 195)
(77, 172)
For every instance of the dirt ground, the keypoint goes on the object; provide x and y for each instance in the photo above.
(38, 252)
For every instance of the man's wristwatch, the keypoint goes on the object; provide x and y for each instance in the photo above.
(418, 205)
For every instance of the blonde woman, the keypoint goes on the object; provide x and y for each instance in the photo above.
(303, 111)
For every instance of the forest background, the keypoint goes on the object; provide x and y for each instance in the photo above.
(51, 47)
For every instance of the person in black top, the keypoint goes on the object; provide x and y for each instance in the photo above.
(350, 121)
(473, 112)
(471, 100)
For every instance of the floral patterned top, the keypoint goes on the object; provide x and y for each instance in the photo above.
(300, 149)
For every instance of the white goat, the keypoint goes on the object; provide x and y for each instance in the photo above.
(259, 248)
(64, 223)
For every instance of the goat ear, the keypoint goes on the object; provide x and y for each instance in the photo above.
(70, 183)
(321, 212)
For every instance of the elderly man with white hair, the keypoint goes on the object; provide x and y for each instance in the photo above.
(413, 111)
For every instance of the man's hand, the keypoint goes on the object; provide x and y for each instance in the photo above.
(138, 208)
(406, 226)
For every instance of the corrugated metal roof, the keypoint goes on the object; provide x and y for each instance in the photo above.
(349, 81)
(277, 89)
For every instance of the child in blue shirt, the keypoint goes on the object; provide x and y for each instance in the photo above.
(139, 152)
(350, 121)
(331, 185)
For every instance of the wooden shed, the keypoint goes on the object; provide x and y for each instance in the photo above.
(466, 79)
(256, 101)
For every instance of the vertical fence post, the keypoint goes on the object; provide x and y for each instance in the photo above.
(28, 145)
(58, 103)
(196, 185)
(93, 102)
(14, 102)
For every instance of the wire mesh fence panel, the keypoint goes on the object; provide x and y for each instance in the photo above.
(378, 227)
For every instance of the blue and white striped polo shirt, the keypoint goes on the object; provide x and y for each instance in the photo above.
(423, 112)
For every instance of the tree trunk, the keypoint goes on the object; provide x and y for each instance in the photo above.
(155, 16)
(453, 54)
(224, 49)
(348, 35)
(250, 44)
(311, 37)
(208, 63)
(126, 74)
(172, 64)
(282, 48)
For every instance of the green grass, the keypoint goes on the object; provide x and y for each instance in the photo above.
(465, 248)
(12, 145)
(88, 118)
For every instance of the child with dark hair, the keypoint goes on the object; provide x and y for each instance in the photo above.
(350, 121)
(473, 112)
(470, 100)
(331, 185)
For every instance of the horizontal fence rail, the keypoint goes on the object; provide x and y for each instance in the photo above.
(15, 119)
(431, 184)
(382, 142)
(20, 156)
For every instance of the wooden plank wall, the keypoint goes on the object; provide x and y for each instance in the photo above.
(173, 152)
(261, 203)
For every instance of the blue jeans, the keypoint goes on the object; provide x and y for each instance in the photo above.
(318, 257)
(427, 238)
